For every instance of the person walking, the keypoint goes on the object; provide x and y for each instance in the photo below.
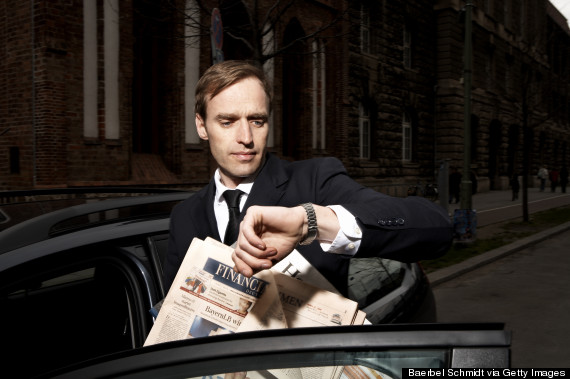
(542, 175)
(564, 178)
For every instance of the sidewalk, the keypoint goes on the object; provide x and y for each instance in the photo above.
(494, 200)
(497, 206)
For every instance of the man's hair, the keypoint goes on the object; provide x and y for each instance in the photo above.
(222, 75)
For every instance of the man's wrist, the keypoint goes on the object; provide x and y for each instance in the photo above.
(312, 228)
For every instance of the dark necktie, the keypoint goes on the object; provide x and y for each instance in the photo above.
(232, 199)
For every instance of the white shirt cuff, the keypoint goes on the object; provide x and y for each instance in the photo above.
(347, 241)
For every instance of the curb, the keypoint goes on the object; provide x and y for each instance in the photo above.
(443, 275)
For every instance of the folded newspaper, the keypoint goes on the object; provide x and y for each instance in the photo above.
(208, 297)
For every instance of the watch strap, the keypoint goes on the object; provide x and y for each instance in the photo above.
(312, 224)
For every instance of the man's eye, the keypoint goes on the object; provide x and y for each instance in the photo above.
(258, 122)
(225, 123)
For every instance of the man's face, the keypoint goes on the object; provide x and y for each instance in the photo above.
(236, 126)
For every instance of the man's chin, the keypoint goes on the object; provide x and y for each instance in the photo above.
(243, 174)
(245, 171)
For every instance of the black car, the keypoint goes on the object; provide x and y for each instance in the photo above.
(78, 282)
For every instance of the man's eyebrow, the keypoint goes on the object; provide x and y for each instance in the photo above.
(226, 116)
(233, 116)
(257, 116)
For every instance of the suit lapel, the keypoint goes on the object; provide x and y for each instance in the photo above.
(208, 203)
(268, 187)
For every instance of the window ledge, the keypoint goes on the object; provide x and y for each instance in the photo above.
(367, 163)
(408, 164)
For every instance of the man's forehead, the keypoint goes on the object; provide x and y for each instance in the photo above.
(231, 91)
(240, 83)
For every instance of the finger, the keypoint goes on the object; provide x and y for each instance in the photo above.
(241, 267)
(248, 265)
(248, 229)
(251, 237)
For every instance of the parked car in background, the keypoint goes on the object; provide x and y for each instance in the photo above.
(79, 272)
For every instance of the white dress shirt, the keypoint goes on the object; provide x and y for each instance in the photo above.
(347, 240)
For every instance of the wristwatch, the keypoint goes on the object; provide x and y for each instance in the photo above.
(312, 224)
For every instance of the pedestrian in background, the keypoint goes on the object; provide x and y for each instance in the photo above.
(515, 186)
(542, 175)
(454, 185)
(553, 179)
(563, 178)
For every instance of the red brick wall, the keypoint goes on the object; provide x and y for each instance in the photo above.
(17, 89)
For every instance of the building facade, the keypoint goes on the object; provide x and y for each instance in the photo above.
(520, 92)
(102, 92)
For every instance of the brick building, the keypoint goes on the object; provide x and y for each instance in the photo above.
(521, 71)
(101, 92)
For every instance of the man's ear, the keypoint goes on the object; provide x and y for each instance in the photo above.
(201, 127)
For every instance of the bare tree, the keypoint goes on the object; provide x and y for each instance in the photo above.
(535, 92)
(251, 25)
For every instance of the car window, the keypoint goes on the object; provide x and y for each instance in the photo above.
(371, 279)
(67, 315)
(345, 365)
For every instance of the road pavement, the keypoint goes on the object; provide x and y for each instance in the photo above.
(528, 291)
(497, 206)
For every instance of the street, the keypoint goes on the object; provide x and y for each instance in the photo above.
(529, 291)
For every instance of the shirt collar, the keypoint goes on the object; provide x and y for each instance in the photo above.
(244, 186)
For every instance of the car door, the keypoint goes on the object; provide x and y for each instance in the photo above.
(70, 306)
(369, 351)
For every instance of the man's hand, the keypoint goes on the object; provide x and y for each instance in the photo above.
(269, 234)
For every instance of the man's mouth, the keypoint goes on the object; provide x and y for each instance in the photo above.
(244, 155)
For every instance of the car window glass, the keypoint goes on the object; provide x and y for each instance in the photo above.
(370, 279)
(344, 365)
(66, 316)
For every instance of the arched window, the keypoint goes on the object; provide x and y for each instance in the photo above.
(407, 47)
(364, 29)
(296, 115)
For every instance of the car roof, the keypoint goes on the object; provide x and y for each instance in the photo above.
(76, 217)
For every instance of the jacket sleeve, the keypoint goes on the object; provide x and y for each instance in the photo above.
(404, 229)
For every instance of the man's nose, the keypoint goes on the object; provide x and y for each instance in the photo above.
(244, 135)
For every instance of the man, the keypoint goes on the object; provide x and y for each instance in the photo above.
(233, 103)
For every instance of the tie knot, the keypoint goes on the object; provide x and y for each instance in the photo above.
(232, 198)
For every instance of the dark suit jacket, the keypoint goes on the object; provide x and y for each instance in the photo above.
(405, 229)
